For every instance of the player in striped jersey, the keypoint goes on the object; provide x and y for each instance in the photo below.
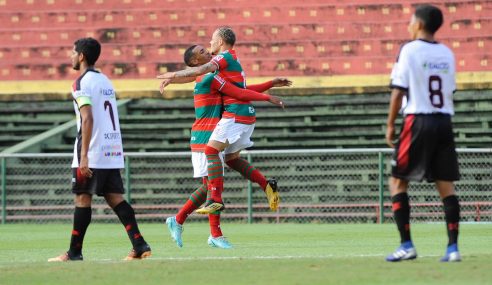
(208, 93)
(233, 132)
(98, 153)
(425, 75)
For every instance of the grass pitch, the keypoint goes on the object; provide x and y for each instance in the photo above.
(263, 254)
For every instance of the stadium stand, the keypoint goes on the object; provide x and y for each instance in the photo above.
(144, 38)
(342, 121)
(318, 38)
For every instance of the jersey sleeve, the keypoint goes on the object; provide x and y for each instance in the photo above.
(82, 95)
(262, 87)
(400, 75)
(232, 90)
(220, 61)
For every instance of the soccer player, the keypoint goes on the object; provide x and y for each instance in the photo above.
(233, 132)
(425, 75)
(98, 153)
(208, 111)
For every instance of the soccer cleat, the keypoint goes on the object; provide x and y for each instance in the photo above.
(220, 242)
(406, 251)
(66, 257)
(175, 229)
(211, 208)
(140, 252)
(272, 194)
(452, 254)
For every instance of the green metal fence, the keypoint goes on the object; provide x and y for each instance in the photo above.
(318, 186)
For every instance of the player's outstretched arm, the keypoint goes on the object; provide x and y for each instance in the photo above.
(248, 95)
(182, 80)
(277, 82)
(395, 106)
(190, 72)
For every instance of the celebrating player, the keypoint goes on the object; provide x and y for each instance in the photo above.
(233, 132)
(425, 75)
(98, 153)
(208, 111)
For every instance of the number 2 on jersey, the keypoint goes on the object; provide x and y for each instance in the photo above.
(111, 115)
(436, 96)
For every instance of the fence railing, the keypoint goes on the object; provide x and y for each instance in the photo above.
(328, 185)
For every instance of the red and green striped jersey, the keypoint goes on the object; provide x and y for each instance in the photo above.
(208, 110)
(231, 70)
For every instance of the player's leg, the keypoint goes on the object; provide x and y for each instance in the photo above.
(452, 215)
(175, 224)
(401, 213)
(113, 193)
(409, 162)
(83, 188)
(248, 171)
(196, 199)
(216, 238)
(444, 171)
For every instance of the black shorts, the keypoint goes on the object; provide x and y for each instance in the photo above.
(426, 149)
(103, 181)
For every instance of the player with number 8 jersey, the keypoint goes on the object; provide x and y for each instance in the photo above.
(424, 75)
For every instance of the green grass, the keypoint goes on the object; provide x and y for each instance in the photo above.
(263, 254)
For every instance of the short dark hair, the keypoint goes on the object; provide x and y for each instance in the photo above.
(188, 55)
(227, 35)
(90, 48)
(431, 17)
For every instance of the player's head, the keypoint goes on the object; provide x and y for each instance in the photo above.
(85, 50)
(223, 37)
(196, 55)
(426, 18)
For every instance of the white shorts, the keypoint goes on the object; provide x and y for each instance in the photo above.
(199, 160)
(237, 135)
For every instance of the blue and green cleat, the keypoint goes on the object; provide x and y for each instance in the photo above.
(220, 242)
(175, 229)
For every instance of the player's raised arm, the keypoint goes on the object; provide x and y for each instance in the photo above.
(277, 82)
(245, 94)
(181, 80)
(190, 72)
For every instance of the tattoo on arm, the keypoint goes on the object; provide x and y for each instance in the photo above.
(196, 71)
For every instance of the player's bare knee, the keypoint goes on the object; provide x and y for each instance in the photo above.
(113, 199)
(83, 200)
(232, 156)
(397, 186)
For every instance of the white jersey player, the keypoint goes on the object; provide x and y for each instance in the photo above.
(425, 75)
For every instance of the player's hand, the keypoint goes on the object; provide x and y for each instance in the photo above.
(280, 82)
(164, 83)
(277, 101)
(84, 167)
(167, 75)
(390, 133)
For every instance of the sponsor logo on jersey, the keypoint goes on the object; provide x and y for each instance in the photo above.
(442, 67)
(251, 110)
(112, 136)
(114, 153)
(109, 147)
(107, 92)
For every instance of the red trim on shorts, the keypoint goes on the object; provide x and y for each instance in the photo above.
(405, 141)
